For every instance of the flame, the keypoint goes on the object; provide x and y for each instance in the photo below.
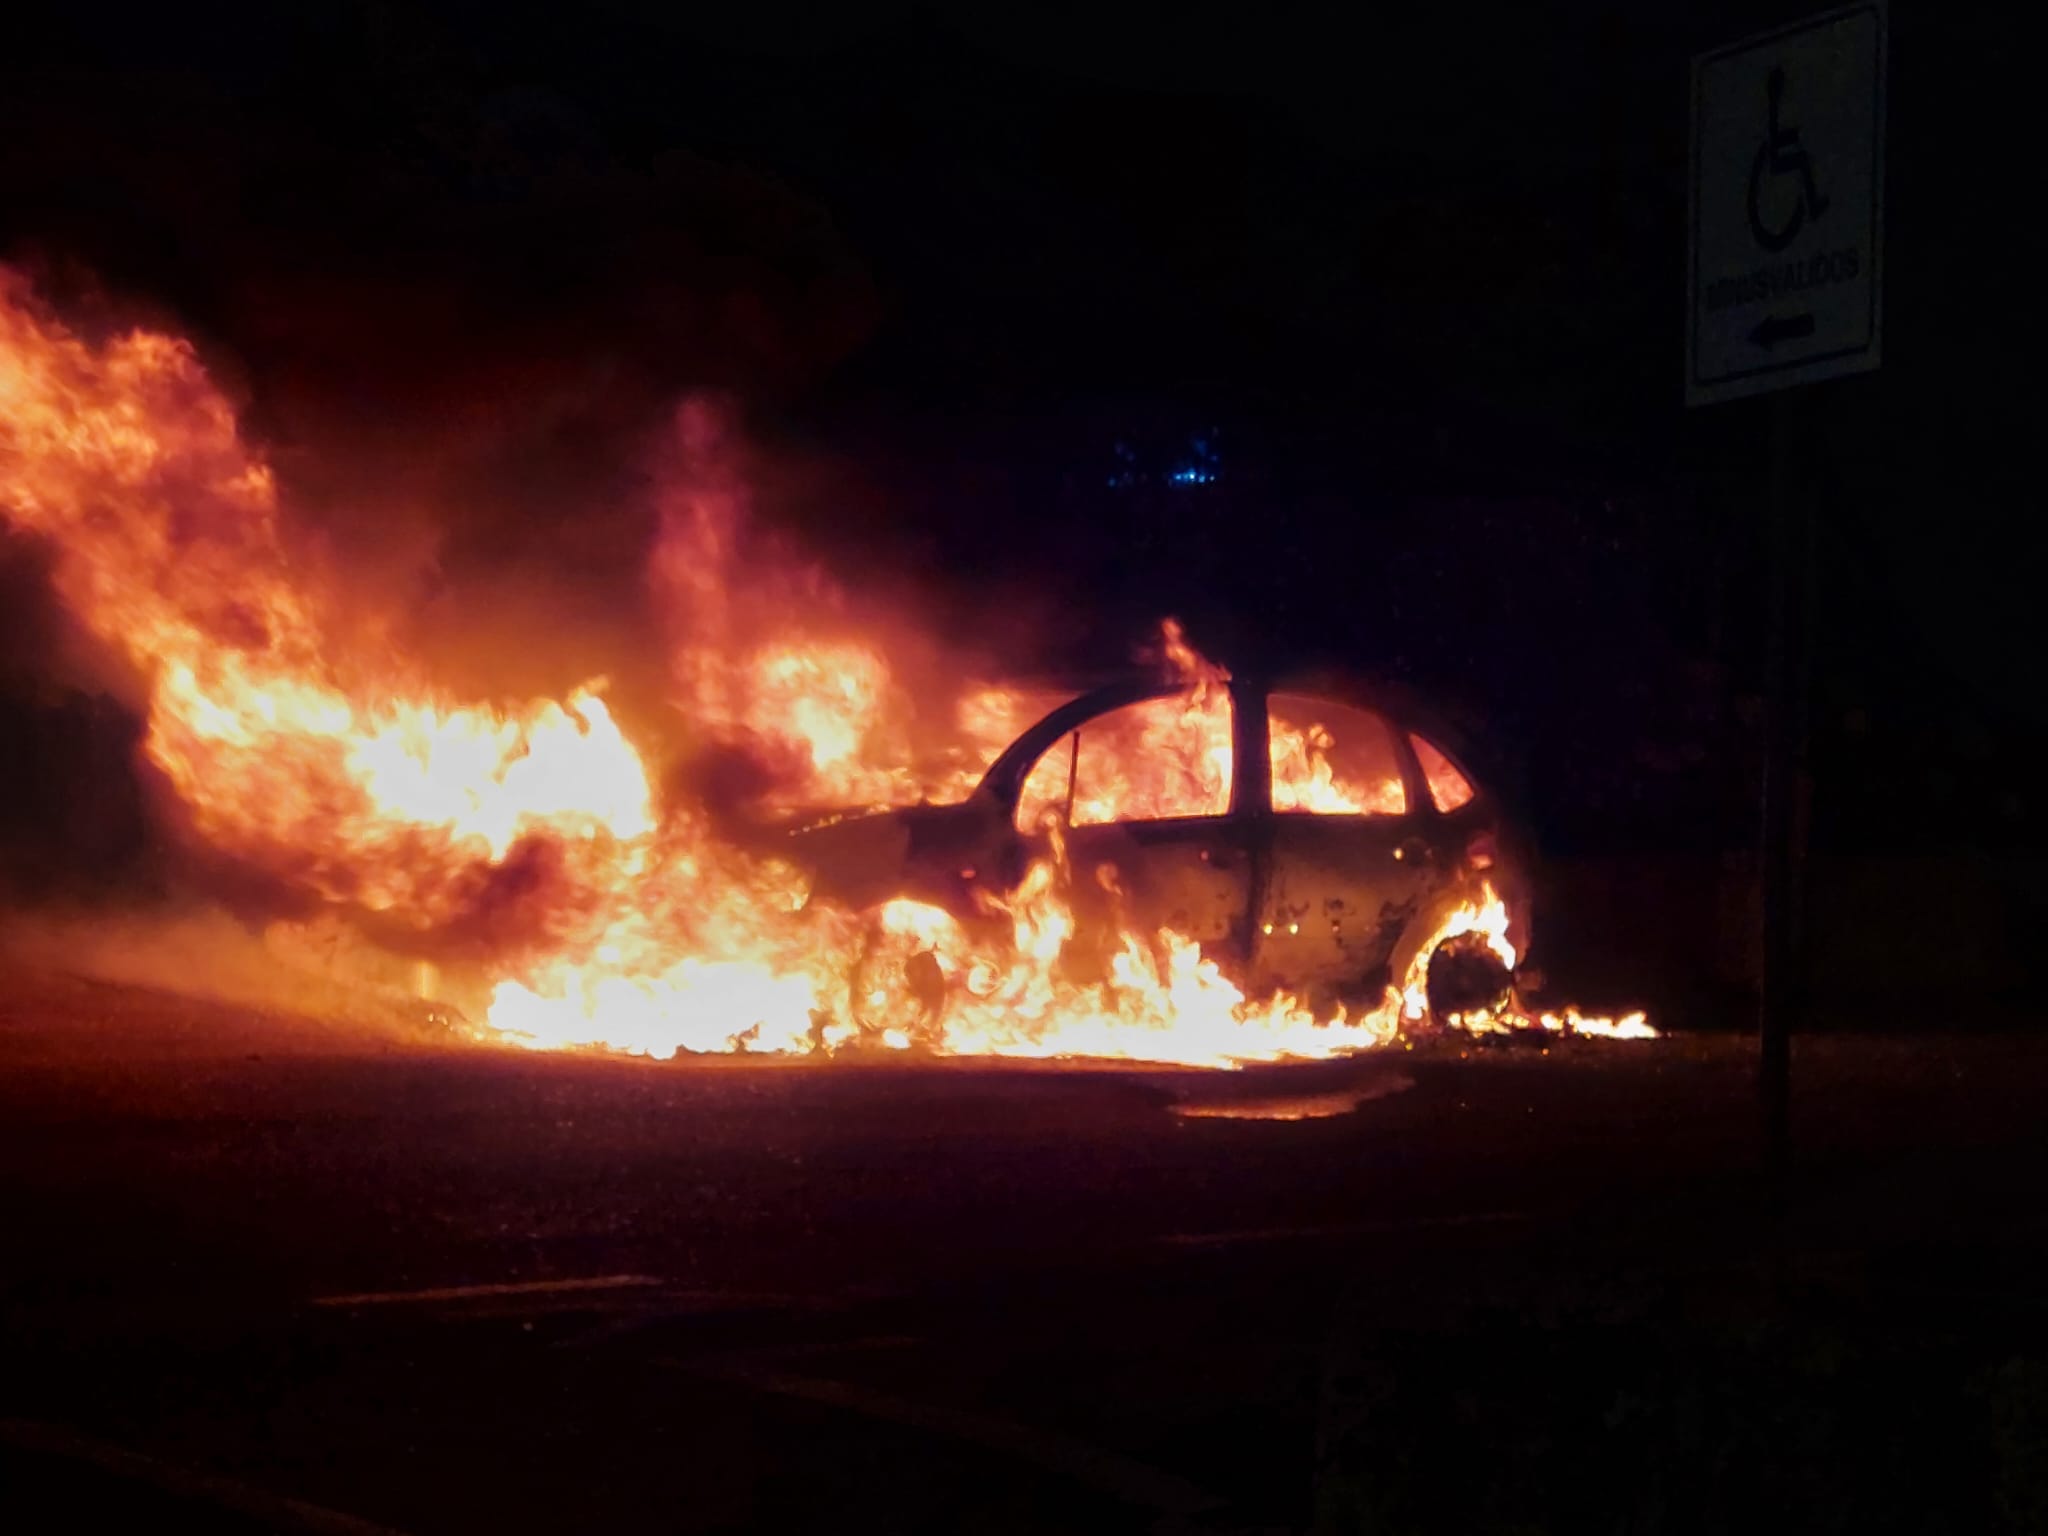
(1448, 788)
(1157, 758)
(345, 766)
(527, 834)
(1488, 918)
(1306, 779)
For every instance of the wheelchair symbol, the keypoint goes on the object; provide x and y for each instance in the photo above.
(1781, 154)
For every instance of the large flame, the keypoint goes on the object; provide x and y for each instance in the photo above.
(304, 743)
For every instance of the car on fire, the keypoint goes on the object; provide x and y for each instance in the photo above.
(1311, 835)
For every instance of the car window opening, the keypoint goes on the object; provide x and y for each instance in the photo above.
(1448, 788)
(1157, 759)
(1332, 759)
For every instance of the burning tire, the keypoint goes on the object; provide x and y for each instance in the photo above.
(1467, 977)
(897, 988)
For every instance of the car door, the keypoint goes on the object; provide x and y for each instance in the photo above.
(1142, 795)
(1350, 866)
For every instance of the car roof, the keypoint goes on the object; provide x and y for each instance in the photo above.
(1401, 705)
(1131, 683)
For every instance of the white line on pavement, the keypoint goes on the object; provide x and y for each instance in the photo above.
(472, 1292)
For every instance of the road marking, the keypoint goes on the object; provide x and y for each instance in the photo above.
(1134, 1482)
(273, 1510)
(473, 1292)
(677, 1305)
(1346, 1229)
(1294, 1106)
(1320, 1106)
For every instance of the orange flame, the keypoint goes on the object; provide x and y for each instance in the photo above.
(308, 746)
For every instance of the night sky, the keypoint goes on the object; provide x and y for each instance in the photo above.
(1415, 281)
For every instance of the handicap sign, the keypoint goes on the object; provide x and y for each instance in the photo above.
(1786, 207)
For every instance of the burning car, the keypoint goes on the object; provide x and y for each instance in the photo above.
(1182, 867)
(1312, 837)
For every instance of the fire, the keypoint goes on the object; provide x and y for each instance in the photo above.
(1162, 757)
(346, 766)
(1306, 779)
(1448, 788)
(529, 837)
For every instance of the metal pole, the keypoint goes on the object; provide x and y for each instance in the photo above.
(1785, 724)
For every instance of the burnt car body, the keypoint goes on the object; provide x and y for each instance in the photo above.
(1283, 878)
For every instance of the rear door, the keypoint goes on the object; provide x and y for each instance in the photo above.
(1350, 867)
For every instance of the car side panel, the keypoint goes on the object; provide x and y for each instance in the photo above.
(1341, 892)
(858, 862)
(1192, 876)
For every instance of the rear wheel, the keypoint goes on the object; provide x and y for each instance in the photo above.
(897, 988)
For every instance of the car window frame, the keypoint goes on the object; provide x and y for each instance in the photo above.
(1004, 780)
(1409, 734)
(1397, 730)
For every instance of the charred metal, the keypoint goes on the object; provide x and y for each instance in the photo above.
(1323, 905)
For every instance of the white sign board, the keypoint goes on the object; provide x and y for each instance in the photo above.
(1787, 205)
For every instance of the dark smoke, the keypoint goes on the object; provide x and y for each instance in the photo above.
(73, 819)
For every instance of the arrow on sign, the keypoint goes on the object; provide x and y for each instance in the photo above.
(1773, 329)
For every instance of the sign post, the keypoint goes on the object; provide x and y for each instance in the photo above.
(1785, 287)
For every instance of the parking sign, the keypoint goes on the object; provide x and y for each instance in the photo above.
(1786, 207)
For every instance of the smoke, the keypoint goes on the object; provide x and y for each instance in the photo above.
(73, 822)
(793, 687)
(322, 967)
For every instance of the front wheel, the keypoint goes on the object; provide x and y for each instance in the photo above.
(1465, 977)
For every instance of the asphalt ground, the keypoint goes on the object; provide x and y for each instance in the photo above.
(270, 1273)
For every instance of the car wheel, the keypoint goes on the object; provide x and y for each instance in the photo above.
(1466, 977)
(897, 988)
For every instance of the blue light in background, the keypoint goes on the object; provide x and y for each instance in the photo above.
(1200, 464)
